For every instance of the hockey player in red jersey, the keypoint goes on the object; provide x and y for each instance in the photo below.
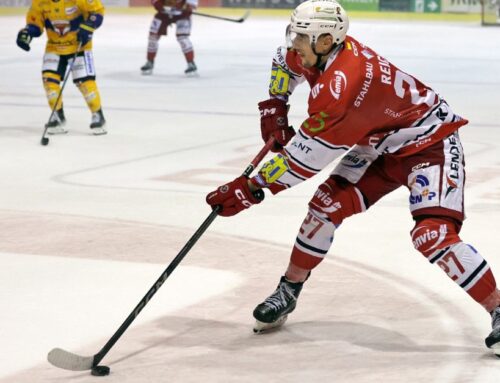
(390, 129)
(170, 12)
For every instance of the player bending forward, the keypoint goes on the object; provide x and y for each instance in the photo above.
(170, 12)
(68, 24)
(399, 132)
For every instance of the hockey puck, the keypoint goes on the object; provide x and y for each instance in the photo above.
(100, 370)
(44, 141)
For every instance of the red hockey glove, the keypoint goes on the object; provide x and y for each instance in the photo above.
(234, 197)
(274, 122)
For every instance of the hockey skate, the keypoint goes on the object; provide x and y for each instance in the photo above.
(273, 312)
(56, 123)
(191, 69)
(147, 68)
(493, 340)
(97, 123)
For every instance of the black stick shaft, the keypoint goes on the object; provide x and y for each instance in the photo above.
(240, 20)
(62, 88)
(163, 277)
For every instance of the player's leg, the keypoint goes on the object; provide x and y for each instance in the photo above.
(183, 31)
(84, 78)
(436, 183)
(334, 200)
(158, 28)
(53, 70)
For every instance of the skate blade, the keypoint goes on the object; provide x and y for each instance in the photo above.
(147, 72)
(54, 132)
(192, 74)
(261, 327)
(99, 131)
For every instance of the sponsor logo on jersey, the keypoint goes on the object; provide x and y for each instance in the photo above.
(353, 160)
(419, 190)
(280, 58)
(316, 89)
(71, 10)
(326, 200)
(451, 186)
(423, 142)
(391, 113)
(422, 239)
(366, 85)
(430, 235)
(301, 147)
(455, 155)
(338, 84)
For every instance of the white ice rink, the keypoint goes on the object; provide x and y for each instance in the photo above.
(88, 223)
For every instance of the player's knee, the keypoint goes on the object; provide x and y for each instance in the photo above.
(434, 234)
(338, 200)
(50, 78)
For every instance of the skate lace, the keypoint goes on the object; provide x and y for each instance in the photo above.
(280, 298)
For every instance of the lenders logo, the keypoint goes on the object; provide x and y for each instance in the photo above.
(338, 84)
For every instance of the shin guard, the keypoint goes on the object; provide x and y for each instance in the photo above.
(437, 239)
(90, 92)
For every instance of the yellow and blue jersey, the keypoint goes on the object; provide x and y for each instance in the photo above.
(61, 20)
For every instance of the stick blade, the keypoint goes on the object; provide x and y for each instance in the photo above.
(69, 361)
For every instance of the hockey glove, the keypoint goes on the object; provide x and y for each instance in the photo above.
(87, 28)
(84, 34)
(24, 39)
(274, 122)
(234, 197)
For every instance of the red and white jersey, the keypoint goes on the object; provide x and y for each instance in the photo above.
(362, 100)
(177, 6)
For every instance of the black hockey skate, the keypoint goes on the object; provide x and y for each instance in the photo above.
(97, 123)
(56, 123)
(147, 68)
(274, 311)
(191, 70)
(493, 340)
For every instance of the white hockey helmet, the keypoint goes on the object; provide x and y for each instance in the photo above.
(317, 17)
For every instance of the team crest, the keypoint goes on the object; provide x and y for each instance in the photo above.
(61, 27)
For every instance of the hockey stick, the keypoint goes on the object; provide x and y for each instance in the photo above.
(45, 140)
(69, 361)
(240, 20)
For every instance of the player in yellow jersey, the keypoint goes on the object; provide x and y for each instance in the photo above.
(69, 24)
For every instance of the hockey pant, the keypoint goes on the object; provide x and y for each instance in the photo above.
(435, 181)
(83, 74)
(159, 27)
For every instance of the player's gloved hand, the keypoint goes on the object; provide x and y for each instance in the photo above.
(84, 34)
(274, 122)
(234, 197)
(24, 39)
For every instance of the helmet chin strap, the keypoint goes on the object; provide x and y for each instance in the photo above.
(320, 56)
